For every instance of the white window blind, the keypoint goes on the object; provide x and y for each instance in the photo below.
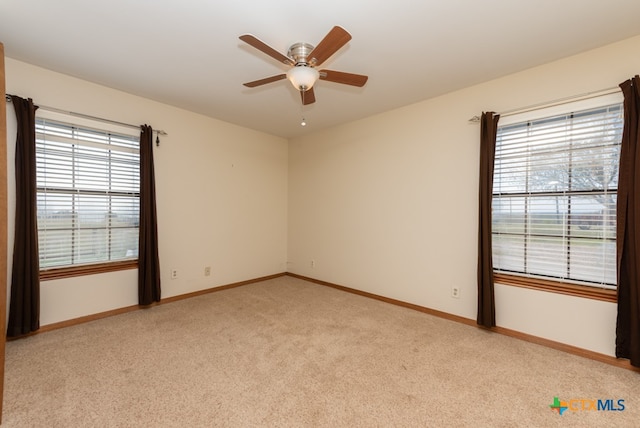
(554, 197)
(88, 192)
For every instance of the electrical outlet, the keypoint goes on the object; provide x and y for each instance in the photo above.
(455, 292)
(207, 271)
(174, 273)
(313, 264)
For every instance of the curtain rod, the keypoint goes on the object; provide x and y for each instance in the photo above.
(86, 116)
(557, 102)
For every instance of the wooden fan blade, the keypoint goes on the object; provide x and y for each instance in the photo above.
(334, 40)
(344, 78)
(265, 81)
(308, 96)
(263, 47)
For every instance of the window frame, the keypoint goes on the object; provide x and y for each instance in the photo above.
(529, 281)
(98, 267)
(49, 274)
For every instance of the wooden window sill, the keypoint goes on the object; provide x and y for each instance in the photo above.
(550, 286)
(71, 271)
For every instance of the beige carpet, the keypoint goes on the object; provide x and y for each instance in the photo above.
(286, 352)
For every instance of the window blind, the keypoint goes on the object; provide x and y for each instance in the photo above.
(554, 197)
(88, 189)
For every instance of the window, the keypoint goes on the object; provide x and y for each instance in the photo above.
(88, 191)
(554, 197)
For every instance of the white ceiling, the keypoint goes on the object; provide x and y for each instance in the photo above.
(187, 53)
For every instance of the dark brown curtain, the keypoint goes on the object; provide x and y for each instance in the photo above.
(628, 232)
(24, 305)
(486, 300)
(148, 262)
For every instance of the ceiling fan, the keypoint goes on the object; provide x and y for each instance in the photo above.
(303, 59)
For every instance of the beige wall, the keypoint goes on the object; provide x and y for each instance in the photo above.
(388, 204)
(221, 195)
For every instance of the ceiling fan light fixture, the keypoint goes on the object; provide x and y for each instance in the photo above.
(303, 58)
(303, 77)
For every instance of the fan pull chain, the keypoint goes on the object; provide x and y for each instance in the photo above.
(304, 122)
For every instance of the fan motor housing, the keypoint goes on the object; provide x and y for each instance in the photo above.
(299, 52)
